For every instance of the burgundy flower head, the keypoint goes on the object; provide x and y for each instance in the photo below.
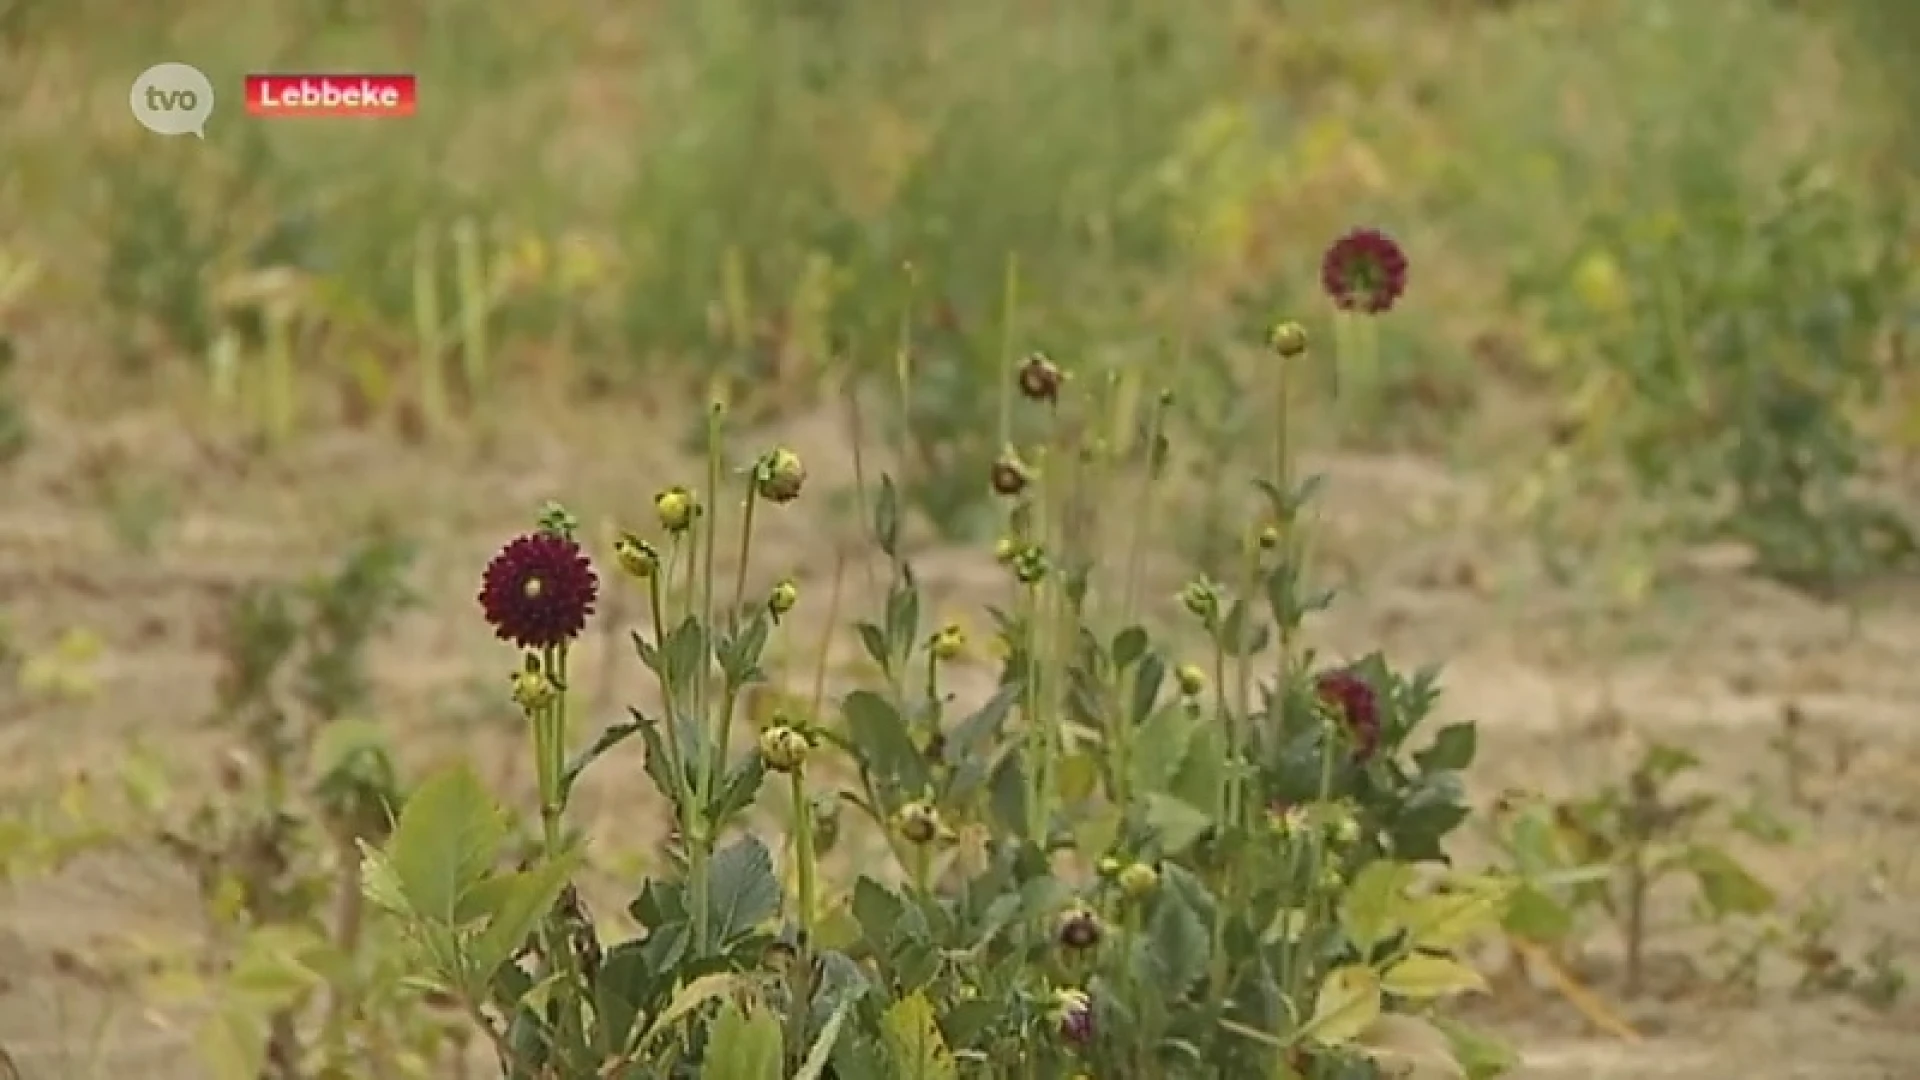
(538, 591)
(1075, 1016)
(1364, 271)
(1355, 704)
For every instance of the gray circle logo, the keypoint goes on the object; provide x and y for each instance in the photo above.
(172, 99)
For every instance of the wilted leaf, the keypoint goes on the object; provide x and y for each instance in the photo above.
(1409, 1048)
(687, 1000)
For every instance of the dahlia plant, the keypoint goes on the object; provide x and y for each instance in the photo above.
(1123, 861)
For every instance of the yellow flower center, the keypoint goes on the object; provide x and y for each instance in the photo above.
(533, 588)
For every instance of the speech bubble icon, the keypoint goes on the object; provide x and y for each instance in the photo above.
(172, 99)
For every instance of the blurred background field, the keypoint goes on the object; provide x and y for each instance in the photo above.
(1638, 456)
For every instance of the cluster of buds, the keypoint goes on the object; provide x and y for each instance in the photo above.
(1030, 565)
(1201, 598)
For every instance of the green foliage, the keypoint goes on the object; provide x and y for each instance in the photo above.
(1094, 866)
(1611, 851)
(1742, 343)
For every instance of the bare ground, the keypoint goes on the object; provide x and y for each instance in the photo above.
(1563, 695)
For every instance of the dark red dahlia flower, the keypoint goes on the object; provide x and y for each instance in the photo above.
(1355, 705)
(1364, 271)
(538, 591)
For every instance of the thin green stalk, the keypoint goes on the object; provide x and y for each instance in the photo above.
(475, 302)
(279, 403)
(677, 760)
(430, 348)
(1009, 304)
(746, 545)
(700, 839)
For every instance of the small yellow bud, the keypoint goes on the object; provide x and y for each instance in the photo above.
(1202, 599)
(1006, 549)
(678, 509)
(783, 748)
(947, 643)
(1139, 880)
(1288, 339)
(918, 823)
(1109, 867)
(532, 690)
(782, 597)
(636, 557)
(1268, 537)
(1193, 681)
(779, 476)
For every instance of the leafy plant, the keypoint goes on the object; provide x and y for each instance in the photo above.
(1738, 346)
(1113, 862)
(1644, 834)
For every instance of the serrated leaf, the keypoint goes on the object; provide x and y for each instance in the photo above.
(1159, 746)
(1348, 1003)
(879, 735)
(914, 1043)
(1453, 749)
(447, 839)
(1176, 822)
(1373, 909)
(232, 1043)
(526, 896)
(1448, 920)
(1426, 976)
(743, 889)
(744, 1044)
(1728, 887)
(1409, 1048)
(1179, 944)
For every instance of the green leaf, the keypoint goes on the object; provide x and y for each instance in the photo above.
(447, 840)
(1203, 771)
(1348, 1004)
(1445, 921)
(380, 883)
(914, 1043)
(1536, 915)
(1372, 910)
(1453, 749)
(744, 1044)
(1482, 1056)
(743, 891)
(1159, 746)
(880, 735)
(232, 1042)
(1178, 943)
(877, 909)
(1426, 976)
(1728, 887)
(821, 1055)
(525, 897)
(1177, 823)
